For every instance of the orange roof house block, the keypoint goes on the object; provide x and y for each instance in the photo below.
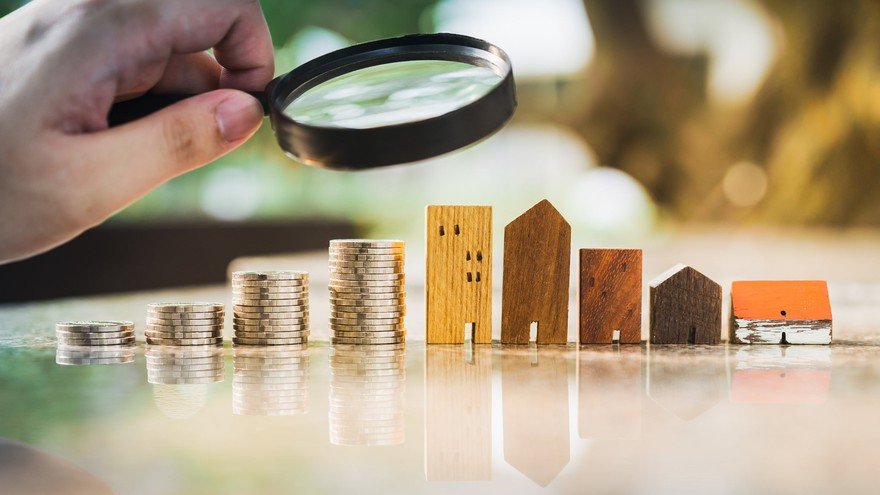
(780, 312)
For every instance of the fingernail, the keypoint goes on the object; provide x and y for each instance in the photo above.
(238, 116)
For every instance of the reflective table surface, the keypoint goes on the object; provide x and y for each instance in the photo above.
(434, 419)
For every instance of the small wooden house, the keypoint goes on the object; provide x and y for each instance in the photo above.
(610, 295)
(780, 312)
(685, 308)
(537, 257)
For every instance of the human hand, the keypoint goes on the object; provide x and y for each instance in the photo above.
(64, 63)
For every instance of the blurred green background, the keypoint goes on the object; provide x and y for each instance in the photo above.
(633, 115)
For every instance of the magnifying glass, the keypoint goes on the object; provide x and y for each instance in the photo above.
(380, 103)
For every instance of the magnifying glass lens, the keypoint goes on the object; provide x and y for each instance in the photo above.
(392, 93)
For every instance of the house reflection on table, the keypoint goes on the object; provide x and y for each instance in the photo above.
(367, 395)
(535, 410)
(686, 380)
(773, 374)
(181, 376)
(270, 381)
(458, 412)
(610, 391)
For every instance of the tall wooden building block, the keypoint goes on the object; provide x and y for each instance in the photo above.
(685, 308)
(537, 258)
(534, 403)
(458, 286)
(610, 295)
(780, 312)
(458, 413)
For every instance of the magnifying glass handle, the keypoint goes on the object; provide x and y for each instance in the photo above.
(127, 111)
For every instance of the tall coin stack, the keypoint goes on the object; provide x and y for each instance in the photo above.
(94, 333)
(270, 308)
(367, 385)
(367, 292)
(187, 324)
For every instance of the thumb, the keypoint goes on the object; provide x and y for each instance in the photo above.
(125, 162)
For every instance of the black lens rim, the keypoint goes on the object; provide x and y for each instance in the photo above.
(357, 149)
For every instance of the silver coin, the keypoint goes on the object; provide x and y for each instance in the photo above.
(272, 335)
(357, 325)
(175, 342)
(269, 324)
(283, 329)
(271, 290)
(185, 322)
(185, 307)
(89, 352)
(185, 328)
(367, 328)
(270, 275)
(338, 284)
(336, 276)
(364, 340)
(283, 341)
(95, 342)
(366, 312)
(345, 257)
(65, 361)
(270, 284)
(281, 296)
(239, 308)
(366, 270)
(270, 303)
(366, 264)
(356, 296)
(184, 381)
(216, 361)
(94, 335)
(368, 243)
(94, 326)
(182, 335)
(366, 334)
(400, 301)
(395, 349)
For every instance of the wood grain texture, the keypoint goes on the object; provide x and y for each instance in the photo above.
(458, 282)
(685, 308)
(610, 295)
(780, 312)
(458, 413)
(537, 259)
(534, 403)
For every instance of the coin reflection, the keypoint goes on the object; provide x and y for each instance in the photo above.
(367, 385)
(270, 381)
(534, 393)
(610, 390)
(87, 355)
(181, 375)
(781, 374)
(458, 413)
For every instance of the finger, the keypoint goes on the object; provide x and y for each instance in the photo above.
(190, 73)
(125, 162)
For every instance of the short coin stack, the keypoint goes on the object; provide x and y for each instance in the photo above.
(199, 323)
(270, 308)
(367, 385)
(94, 333)
(367, 294)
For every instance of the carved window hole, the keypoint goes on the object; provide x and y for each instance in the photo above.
(592, 281)
(692, 336)
(478, 276)
(442, 231)
(783, 312)
(479, 256)
(468, 257)
(470, 277)
(456, 229)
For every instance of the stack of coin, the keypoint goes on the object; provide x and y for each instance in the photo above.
(94, 333)
(197, 323)
(367, 295)
(80, 355)
(270, 308)
(170, 365)
(367, 385)
(270, 381)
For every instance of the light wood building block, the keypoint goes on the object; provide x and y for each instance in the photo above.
(535, 412)
(537, 258)
(780, 312)
(458, 285)
(685, 308)
(610, 295)
(458, 413)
